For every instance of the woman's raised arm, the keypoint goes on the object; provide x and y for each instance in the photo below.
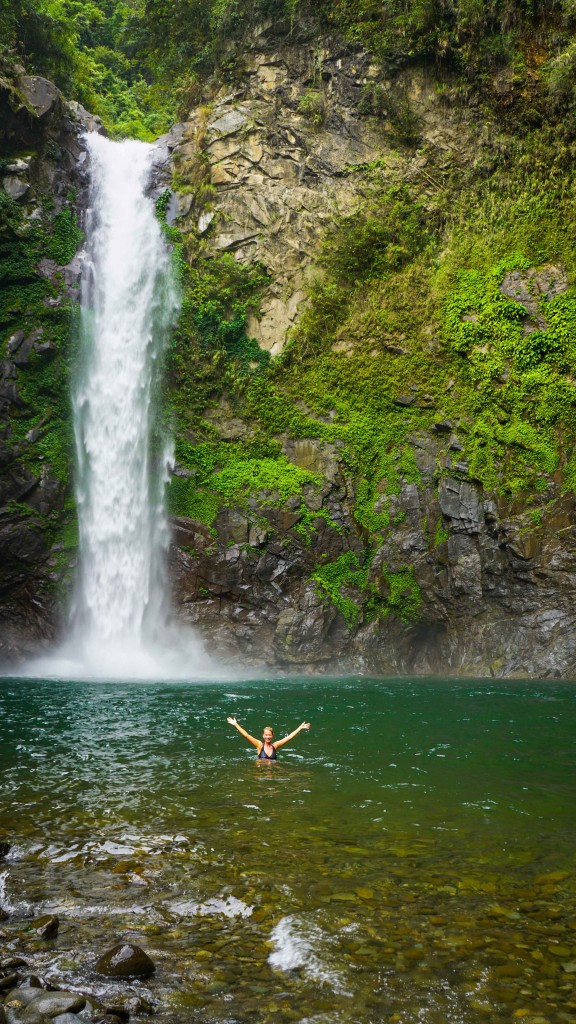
(252, 739)
(280, 743)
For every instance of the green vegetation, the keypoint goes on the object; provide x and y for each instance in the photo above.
(338, 580)
(38, 305)
(351, 586)
(142, 63)
(224, 475)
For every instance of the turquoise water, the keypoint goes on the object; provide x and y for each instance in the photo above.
(412, 858)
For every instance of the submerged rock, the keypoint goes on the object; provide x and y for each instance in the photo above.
(125, 961)
(46, 927)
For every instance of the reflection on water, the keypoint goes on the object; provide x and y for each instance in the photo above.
(410, 859)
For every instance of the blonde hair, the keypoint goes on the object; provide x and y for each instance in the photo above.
(268, 728)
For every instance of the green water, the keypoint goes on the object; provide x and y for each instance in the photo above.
(411, 859)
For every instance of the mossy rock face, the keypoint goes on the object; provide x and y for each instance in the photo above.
(416, 358)
(39, 275)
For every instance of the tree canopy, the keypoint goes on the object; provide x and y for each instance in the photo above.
(135, 62)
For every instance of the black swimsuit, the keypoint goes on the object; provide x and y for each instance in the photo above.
(263, 756)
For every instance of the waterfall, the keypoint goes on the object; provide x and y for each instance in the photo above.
(120, 623)
(128, 303)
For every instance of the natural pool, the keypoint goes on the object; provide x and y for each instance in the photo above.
(411, 859)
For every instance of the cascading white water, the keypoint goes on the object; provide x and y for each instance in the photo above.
(119, 624)
(128, 302)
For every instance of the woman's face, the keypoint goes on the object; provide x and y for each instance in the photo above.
(268, 736)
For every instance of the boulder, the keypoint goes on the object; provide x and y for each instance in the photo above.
(15, 187)
(40, 95)
(53, 1004)
(125, 961)
(20, 998)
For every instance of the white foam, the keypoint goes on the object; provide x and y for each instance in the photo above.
(302, 944)
(229, 907)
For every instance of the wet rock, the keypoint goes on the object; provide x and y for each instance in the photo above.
(460, 501)
(19, 998)
(9, 981)
(46, 927)
(118, 1010)
(133, 1004)
(65, 1018)
(300, 632)
(31, 981)
(51, 1004)
(125, 961)
(3, 1017)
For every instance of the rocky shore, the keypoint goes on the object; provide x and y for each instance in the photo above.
(30, 998)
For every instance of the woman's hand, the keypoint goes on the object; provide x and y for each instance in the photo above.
(232, 721)
(305, 725)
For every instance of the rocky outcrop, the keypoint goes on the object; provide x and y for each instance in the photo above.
(497, 591)
(290, 149)
(460, 581)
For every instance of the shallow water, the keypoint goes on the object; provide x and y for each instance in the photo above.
(411, 859)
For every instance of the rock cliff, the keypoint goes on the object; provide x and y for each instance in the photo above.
(459, 578)
(371, 388)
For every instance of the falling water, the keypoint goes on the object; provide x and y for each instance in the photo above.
(120, 621)
(128, 302)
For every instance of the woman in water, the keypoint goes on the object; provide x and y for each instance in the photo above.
(267, 746)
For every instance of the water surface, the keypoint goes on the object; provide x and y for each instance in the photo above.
(412, 858)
